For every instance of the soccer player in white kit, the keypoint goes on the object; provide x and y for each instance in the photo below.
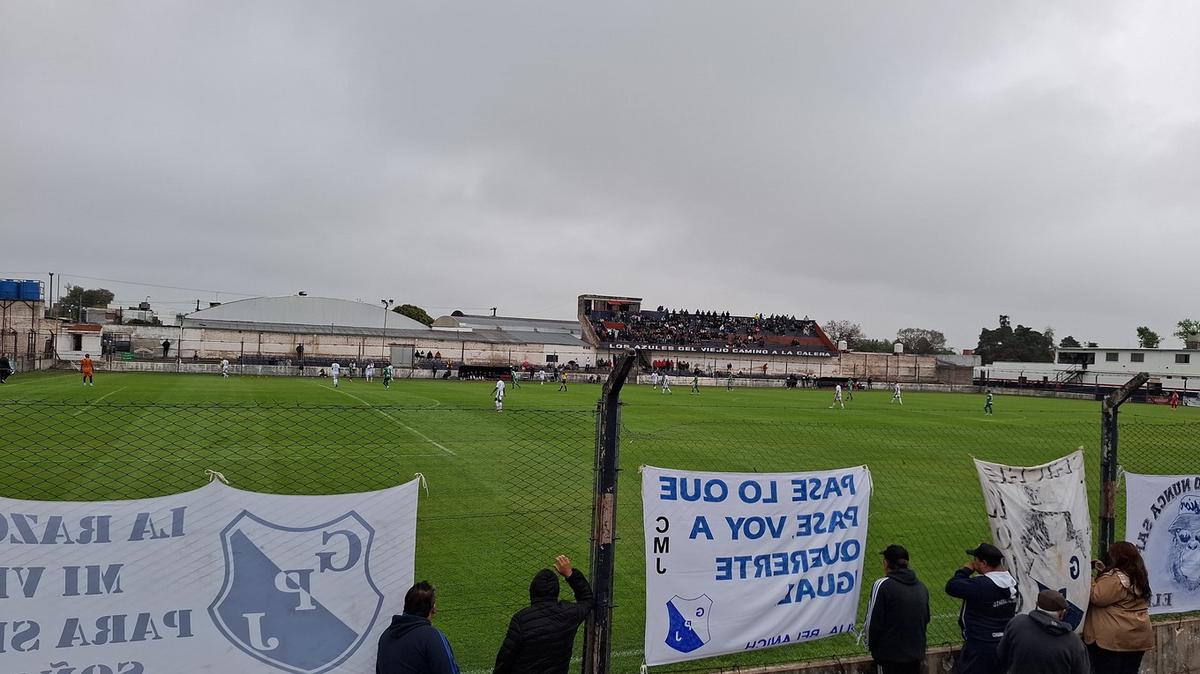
(666, 383)
(369, 372)
(837, 397)
(225, 368)
(333, 373)
(896, 394)
(498, 395)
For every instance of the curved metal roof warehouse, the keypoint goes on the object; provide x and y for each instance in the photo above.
(299, 310)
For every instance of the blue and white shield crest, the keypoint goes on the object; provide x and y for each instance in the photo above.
(297, 598)
(687, 622)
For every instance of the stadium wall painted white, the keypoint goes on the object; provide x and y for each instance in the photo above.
(879, 367)
(1160, 365)
(222, 343)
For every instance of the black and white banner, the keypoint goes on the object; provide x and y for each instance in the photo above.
(1039, 519)
(1162, 518)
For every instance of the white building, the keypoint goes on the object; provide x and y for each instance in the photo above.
(1102, 368)
(76, 340)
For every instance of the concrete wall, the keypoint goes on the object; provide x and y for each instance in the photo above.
(188, 367)
(879, 367)
(1176, 651)
(456, 347)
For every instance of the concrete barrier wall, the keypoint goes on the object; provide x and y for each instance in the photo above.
(1176, 651)
(248, 370)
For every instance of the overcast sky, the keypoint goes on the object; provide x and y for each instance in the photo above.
(897, 164)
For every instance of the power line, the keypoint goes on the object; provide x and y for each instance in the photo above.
(159, 285)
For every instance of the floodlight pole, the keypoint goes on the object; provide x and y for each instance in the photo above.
(387, 306)
(1109, 458)
(597, 645)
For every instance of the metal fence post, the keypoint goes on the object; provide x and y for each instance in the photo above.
(597, 645)
(1110, 459)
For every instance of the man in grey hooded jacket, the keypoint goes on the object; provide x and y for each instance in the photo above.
(1041, 643)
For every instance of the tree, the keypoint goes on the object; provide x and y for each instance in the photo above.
(873, 345)
(839, 330)
(1021, 345)
(922, 341)
(76, 297)
(1188, 329)
(1147, 338)
(414, 312)
(1069, 342)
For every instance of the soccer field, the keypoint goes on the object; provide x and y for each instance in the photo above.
(508, 491)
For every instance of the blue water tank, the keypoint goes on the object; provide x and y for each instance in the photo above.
(30, 290)
(9, 289)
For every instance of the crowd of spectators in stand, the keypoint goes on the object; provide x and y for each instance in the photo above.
(665, 326)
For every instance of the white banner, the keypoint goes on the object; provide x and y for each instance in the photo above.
(1162, 518)
(742, 561)
(213, 580)
(1039, 519)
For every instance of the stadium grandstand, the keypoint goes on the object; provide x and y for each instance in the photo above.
(717, 343)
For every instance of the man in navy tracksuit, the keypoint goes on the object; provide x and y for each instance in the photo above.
(411, 645)
(989, 602)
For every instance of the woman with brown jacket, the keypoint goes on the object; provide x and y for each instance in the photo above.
(1117, 628)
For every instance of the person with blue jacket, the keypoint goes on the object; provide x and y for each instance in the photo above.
(989, 601)
(411, 644)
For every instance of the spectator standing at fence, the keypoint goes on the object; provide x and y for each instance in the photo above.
(5, 368)
(896, 394)
(1117, 628)
(837, 397)
(498, 395)
(541, 638)
(989, 601)
(88, 370)
(987, 404)
(411, 644)
(166, 345)
(1039, 642)
(387, 375)
(334, 370)
(897, 616)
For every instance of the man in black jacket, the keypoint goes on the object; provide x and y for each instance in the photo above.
(897, 616)
(989, 602)
(541, 638)
(411, 645)
(1041, 643)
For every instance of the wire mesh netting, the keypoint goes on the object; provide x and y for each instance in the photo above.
(926, 497)
(506, 492)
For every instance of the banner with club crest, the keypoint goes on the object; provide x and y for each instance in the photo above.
(738, 562)
(212, 580)
(1162, 518)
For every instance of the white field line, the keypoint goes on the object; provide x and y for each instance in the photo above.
(89, 405)
(396, 421)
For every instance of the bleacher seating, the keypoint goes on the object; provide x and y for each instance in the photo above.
(707, 328)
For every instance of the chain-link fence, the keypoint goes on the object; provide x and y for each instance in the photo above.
(1163, 443)
(505, 491)
(926, 495)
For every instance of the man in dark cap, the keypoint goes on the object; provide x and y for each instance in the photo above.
(1041, 643)
(541, 638)
(897, 616)
(989, 596)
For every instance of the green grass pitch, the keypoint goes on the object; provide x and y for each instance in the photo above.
(508, 491)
